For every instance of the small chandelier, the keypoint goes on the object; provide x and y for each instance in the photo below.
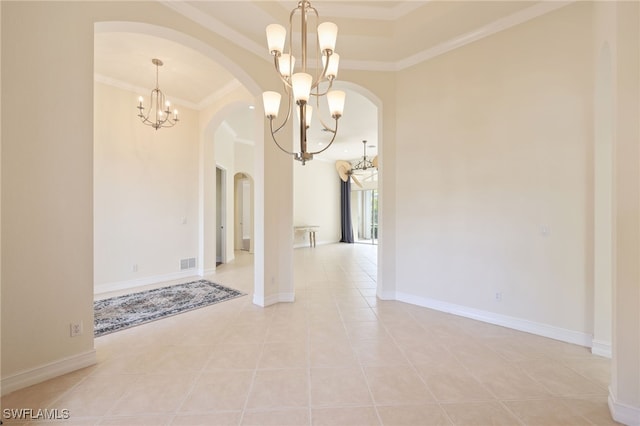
(300, 86)
(366, 163)
(159, 117)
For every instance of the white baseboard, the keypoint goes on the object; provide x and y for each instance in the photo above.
(287, 297)
(257, 300)
(126, 285)
(623, 413)
(273, 299)
(203, 272)
(600, 348)
(47, 371)
(270, 300)
(562, 334)
(387, 295)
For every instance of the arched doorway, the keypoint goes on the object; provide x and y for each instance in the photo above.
(243, 232)
(159, 185)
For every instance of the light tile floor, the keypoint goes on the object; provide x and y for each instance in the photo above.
(337, 356)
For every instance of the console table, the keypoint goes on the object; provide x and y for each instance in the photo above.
(311, 229)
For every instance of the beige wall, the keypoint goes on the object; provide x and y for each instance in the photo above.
(47, 155)
(494, 153)
(316, 201)
(623, 19)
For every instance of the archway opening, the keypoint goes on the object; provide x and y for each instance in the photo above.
(154, 190)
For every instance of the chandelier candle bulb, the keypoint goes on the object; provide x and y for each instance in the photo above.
(286, 63)
(276, 35)
(335, 98)
(271, 101)
(327, 35)
(308, 109)
(332, 68)
(301, 83)
(308, 113)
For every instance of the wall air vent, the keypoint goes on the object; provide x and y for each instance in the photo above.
(189, 263)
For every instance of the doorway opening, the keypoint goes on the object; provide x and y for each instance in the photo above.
(243, 233)
(365, 215)
(221, 180)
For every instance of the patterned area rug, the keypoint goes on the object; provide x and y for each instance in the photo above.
(122, 312)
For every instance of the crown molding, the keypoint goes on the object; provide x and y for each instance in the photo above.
(244, 141)
(144, 91)
(366, 11)
(219, 94)
(372, 12)
(234, 135)
(206, 102)
(214, 25)
(482, 32)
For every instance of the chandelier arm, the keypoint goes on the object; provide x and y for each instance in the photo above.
(317, 94)
(323, 76)
(276, 63)
(286, 119)
(335, 132)
(324, 125)
(274, 138)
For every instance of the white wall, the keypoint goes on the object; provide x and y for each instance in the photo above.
(244, 157)
(494, 154)
(145, 193)
(316, 201)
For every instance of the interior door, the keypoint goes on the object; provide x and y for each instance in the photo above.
(220, 215)
(246, 215)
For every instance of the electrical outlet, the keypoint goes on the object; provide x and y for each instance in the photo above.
(134, 267)
(498, 296)
(75, 329)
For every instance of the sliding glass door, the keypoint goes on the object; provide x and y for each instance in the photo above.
(365, 206)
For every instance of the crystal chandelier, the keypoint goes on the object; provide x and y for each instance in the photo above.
(300, 86)
(159, 117)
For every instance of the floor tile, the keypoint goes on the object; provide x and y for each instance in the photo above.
(223, 418)
(234, 356)
(412, 415)
(561, 380)
(452, 384)
(218, 391)
(276, 418)
(154, 394)
(341, 416)
(511, 383)
(396, 385)
(338, 387)
(480, 414)
(548, 412)
(289, 354)
(276, 389)
(378, 352)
